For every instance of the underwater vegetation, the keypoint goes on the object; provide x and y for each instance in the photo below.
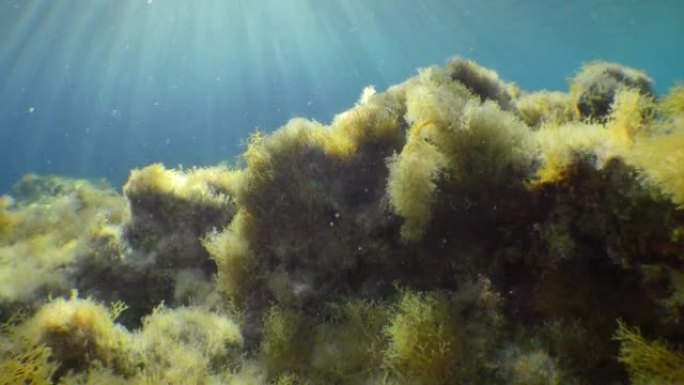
(452, 229)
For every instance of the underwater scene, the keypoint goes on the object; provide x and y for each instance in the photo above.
(345, 192)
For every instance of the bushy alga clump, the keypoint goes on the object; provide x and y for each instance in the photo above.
(81, 334)
(440, 338)
(457, 143)
(648, 362)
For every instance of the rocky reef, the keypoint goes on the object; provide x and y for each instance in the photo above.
(453, 229)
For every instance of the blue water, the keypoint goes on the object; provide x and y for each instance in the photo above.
(93, 88)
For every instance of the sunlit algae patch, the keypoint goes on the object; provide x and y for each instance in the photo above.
(454, 229)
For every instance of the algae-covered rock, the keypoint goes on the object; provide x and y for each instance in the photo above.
(452, 229)
(313, 219)
(50, 226)
(171, 210)
(595, 87)
(483, 82)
